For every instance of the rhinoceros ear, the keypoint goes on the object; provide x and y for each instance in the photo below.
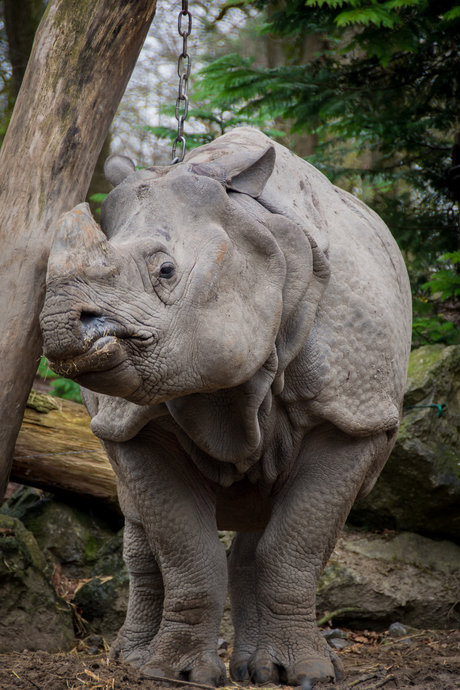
(117, 167)
(246, 172)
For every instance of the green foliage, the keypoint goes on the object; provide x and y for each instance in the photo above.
(447, 279)
(454, 13)
(428, 328)
(98, 199)
(367, 13)
(60, 387)
(444, 288)
(65, 388)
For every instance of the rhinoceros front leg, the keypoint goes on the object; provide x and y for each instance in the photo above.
(146, 593)
(177, 510)
(308, 513)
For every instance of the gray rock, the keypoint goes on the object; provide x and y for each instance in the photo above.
(336, 638)
(67, 536)
(337, 643)
(32, 616)
(23, 500)
(94, 644)
(83, 546)
(443, 556)
(334, 634)
(373, 582)
(399, 630)
(419, 487)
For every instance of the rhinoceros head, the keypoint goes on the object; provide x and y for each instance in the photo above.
(184, 290)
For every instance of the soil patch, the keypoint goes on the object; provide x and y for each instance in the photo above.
(425, 660)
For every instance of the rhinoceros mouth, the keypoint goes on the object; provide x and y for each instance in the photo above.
(105, 353)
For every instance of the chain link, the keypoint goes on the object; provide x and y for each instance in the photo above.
(183, 71)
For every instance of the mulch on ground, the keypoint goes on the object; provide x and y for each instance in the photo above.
(424, 660)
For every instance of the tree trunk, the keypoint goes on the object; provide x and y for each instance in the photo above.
(57, 451)
(83, 55)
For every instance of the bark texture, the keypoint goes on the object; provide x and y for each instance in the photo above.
(56, 450)
(82, 59)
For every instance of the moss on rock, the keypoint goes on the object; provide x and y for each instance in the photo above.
(67, 536)
(32, 616)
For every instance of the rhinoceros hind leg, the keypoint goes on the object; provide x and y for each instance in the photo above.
(242, 590)
(146, 594)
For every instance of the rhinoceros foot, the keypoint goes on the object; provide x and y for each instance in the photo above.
(239, 667)
(129, 649)
(264, 668)
(203, 670)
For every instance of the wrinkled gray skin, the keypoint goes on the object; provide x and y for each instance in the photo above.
(252, 322)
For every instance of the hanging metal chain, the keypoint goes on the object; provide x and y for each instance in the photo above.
(183, 71)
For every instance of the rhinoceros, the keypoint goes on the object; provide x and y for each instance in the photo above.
(241, 328)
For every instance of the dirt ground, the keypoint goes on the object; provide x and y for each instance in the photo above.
(424, 660)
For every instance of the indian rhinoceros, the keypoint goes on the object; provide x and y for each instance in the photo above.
(242, 330)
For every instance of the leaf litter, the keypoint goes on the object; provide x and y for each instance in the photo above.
(423, 660)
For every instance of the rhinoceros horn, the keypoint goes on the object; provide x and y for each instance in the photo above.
(80, 246)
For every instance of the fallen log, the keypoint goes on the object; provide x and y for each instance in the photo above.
(57, 451)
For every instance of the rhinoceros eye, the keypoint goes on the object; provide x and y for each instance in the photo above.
(167, 270)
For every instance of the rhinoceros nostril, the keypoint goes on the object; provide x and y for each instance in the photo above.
(88, 318)
(94, 326)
